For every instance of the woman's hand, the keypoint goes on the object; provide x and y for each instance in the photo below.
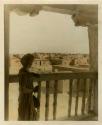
(36, 89)
(32, 74)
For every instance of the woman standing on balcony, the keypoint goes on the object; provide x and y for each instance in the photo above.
(26, 109)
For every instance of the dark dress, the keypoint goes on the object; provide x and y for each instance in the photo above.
(26, 110)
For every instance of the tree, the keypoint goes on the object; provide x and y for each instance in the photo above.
(17, 56)
(72, 62)
(55, 61)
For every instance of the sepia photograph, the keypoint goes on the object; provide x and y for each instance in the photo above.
(51, 62)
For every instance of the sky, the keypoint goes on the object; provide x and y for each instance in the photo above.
(47, 32)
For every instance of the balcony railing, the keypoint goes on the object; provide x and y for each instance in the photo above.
(87, 80)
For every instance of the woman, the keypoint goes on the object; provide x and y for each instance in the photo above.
(26, 109)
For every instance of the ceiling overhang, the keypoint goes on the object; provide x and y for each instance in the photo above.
(82, 14)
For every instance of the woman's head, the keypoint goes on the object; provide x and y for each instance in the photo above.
(27, 60)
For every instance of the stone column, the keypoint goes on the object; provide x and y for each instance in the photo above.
(6, 53)
(93, 48)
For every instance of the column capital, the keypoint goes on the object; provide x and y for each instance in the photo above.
(83, 19)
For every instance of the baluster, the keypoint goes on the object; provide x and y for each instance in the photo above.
(83, 98)
(47, 101)
(90, 93)
(55, 99)
(70, 97)
(94, 85)
(39, 96)
(77, 96)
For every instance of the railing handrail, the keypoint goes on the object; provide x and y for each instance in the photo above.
(70, 68)
(86, 90)
(58, 76)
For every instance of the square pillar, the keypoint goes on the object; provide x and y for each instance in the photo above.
(6, 59)
(93, 48)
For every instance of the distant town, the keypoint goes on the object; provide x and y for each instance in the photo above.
(44, 62)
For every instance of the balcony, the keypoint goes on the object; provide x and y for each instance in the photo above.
(80, 92)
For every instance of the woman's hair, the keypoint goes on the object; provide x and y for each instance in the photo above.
(27, 59)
